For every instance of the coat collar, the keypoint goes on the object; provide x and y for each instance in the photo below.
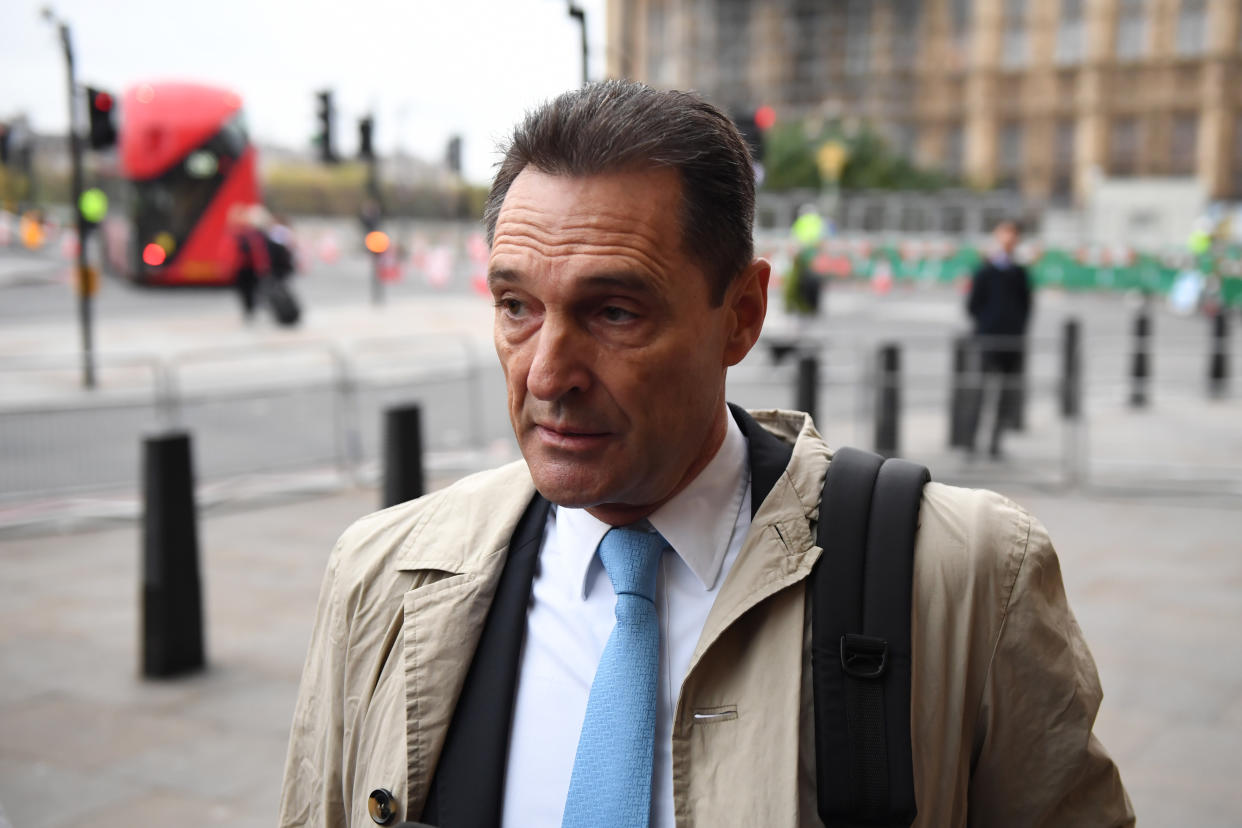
(780, 547)
(469, 532)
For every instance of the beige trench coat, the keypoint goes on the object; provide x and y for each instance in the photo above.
(1004, 689)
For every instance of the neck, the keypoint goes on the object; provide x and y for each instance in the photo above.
(623, 514)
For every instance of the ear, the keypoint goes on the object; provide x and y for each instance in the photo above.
(746, 303)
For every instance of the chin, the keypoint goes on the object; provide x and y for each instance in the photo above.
(566, 492)
(571, 488)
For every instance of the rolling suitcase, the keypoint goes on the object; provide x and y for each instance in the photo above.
(283, 303)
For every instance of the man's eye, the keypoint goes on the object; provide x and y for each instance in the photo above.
(612, 313)
(513, 307)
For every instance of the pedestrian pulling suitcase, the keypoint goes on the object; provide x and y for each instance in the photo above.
(284, 305)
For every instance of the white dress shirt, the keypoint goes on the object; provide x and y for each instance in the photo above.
(571, 616)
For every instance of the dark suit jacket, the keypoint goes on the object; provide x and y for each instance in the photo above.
(1000, 300)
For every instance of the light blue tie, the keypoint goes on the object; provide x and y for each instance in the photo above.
(611, 782)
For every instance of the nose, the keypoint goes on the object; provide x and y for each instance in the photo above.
(559, 365)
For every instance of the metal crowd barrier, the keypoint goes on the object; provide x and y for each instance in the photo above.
(318, 405)
(284, 408)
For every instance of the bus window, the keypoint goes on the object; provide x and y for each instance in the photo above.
(168, 208)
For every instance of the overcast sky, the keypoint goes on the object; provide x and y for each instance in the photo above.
(427, 69)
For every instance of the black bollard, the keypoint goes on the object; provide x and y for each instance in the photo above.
(963, 387)
(1015, 401)
(888, 399)
(172, 616)
(403, 454)
(780, 349)
(1140, 363)
(1071, 371)
(1218, 363)
(808, 384)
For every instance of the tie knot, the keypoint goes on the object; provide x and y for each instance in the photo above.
(631, 557)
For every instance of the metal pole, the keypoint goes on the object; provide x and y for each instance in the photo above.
(1218, 362)
(377, 285)
(888, 400)
(1140, 364)
(172, 614)
(1016, 410)
(403, 454)
(962, 385)
(580, 15)
(1071, 371)
(83, 276)
(373, 191)
(808, 384)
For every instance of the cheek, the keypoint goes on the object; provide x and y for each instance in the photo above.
(511, 367)
(665, 389)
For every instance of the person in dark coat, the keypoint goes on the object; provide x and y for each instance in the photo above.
(253, 262)
(280, 244)
(1000, 305)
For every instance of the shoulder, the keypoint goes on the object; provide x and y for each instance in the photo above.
(972, 543)
(980, 563)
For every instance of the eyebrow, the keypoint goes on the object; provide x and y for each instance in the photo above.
(615, 279)
(502, 275)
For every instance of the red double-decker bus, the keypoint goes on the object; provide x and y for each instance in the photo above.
(185, 149)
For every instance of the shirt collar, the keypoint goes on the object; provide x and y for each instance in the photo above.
(698, 522)
(1000, 259)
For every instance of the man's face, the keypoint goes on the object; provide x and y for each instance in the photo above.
(1006, 235)
(613, 355)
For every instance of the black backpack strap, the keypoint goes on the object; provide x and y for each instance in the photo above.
(860, 639)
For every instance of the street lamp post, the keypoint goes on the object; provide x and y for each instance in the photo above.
(577, 13)
(84, 285)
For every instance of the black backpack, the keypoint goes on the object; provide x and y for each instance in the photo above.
(860, 639)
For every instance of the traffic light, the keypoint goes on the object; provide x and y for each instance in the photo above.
(92, 207)
(102, 109)
(4, 145)
(327, 115)
(452, 154)
(366, 126)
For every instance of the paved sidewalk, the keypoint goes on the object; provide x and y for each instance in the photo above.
(1156, 583)
(84, 740)
(1157, 586)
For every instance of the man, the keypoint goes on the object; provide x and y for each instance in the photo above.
(614, 630)
(1000, 305)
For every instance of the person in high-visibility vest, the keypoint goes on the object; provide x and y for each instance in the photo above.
(803, 286)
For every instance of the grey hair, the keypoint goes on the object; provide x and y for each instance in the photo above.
(618, 125)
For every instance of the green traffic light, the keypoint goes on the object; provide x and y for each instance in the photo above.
(93, 204)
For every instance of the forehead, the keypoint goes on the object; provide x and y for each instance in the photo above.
(629, 218)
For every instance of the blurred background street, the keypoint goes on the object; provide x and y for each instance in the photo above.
(263, 232)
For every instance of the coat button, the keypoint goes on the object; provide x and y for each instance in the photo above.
(380, 806)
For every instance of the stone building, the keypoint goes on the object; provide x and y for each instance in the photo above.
(1044, 96)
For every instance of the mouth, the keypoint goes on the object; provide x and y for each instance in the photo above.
(569, 437)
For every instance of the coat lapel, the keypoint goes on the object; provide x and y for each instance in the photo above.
(441, 622)
(468, 787)
(456, 554)
(779, 549)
